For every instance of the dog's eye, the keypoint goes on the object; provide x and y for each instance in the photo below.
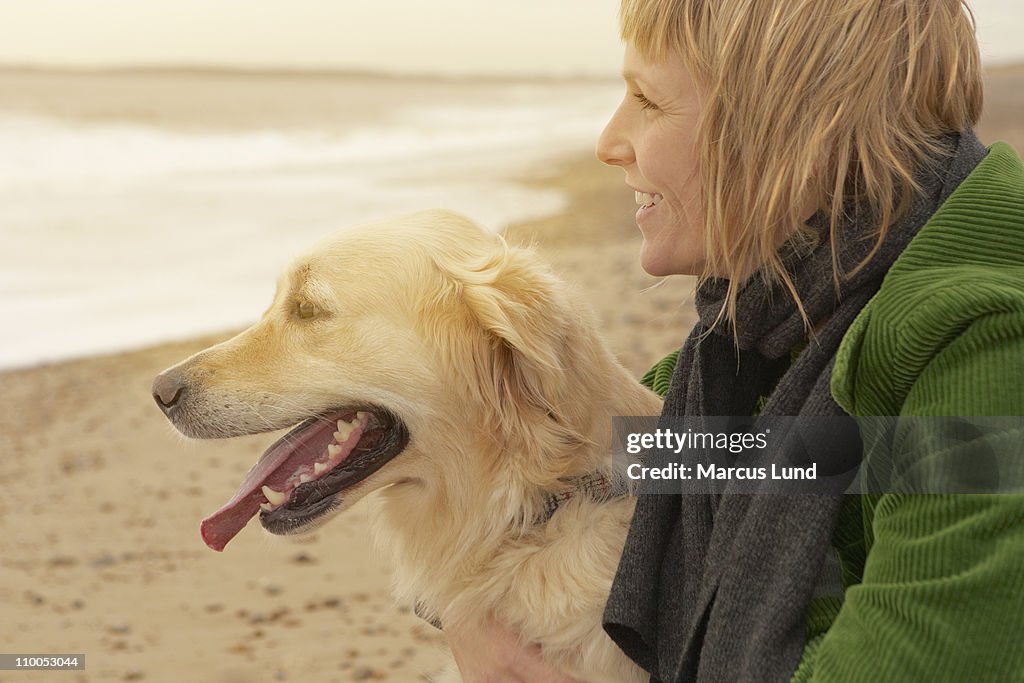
(306, 310)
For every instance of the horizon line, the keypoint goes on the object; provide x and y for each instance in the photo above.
(214, 69)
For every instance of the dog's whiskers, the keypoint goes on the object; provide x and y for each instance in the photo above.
(293, 417)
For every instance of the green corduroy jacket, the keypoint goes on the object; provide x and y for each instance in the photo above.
(939, 595)
(933, 584)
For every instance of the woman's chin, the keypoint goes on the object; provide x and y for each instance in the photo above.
(660, 262)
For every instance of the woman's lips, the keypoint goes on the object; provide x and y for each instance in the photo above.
(648, 201)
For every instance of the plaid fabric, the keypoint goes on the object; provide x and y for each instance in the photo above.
(419, 610)
(594, 485)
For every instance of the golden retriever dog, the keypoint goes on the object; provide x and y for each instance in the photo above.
(426, 360)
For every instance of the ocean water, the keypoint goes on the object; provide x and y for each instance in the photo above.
(116, 234)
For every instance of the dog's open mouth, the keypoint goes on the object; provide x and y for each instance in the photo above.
(299, 477)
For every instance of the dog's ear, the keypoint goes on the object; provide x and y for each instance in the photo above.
(521, 318)
(518, 318)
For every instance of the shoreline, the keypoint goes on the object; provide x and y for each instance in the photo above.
(596, 222)
(595, 196)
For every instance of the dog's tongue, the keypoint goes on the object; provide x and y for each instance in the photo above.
(224, 524)
(299, 447)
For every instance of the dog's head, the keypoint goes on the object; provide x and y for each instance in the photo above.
(401, 354)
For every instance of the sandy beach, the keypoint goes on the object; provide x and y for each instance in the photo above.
(101, 551)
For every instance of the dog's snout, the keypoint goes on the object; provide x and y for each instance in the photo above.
(168, 390)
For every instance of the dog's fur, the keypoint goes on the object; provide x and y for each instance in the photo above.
(507, 391)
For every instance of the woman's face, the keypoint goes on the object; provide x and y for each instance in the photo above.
(652, 137)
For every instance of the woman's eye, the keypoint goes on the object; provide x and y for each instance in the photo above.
(644, 102)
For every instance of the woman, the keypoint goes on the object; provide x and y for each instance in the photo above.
(789, 153)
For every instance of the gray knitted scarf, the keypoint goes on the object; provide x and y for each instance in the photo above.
(716, 588)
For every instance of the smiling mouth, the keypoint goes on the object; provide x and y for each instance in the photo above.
(647, 199)
(299, 478)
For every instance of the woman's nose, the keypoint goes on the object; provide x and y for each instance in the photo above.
(613, 147)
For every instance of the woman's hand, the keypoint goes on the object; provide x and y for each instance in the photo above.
(489, 653)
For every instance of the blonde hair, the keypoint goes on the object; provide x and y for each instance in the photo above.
(823, 100)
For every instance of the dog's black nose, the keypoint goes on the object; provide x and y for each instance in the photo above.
(168, 390)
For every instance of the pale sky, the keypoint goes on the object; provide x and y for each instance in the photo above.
(446, 36)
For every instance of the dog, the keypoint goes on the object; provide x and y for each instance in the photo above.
(456, 376)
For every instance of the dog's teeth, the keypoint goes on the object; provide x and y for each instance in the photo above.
(344, 431)
(274, 497)
(333, 450)
(304, 478)
(319, 467)
(360, 415)
(266, 507)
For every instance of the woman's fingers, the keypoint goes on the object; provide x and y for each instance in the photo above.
(491, 653)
